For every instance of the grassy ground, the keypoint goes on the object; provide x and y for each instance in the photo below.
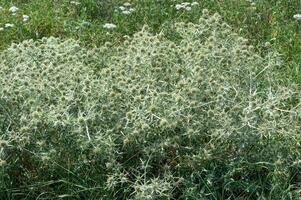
(262, 21)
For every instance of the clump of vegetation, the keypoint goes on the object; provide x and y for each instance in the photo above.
(200, 117)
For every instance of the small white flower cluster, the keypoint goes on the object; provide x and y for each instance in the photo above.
(13, 10)
(297, 17)
(109, 26)
(8, 25)
(126, 9)
(25, 18)
(186, 5)
(75, 3)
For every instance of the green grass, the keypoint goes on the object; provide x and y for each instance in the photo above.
(267, 21)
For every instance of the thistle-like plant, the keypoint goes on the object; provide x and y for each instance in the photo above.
(202, 113)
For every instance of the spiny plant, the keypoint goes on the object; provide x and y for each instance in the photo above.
(202, 117)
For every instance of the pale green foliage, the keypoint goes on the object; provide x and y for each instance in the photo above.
(48, 86)
(152, 114)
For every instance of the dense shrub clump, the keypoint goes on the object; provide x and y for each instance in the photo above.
(202, 117)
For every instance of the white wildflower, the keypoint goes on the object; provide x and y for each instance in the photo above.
(75, 3)
(13, 9)
(297, 16)
(25, 18)
(185, 5)
(8, 25)
(132, 9)
(1, 28)
(179, 6)
(127, 4)
(126, 12)
(109, 26)
(122, 8)
(188, 8)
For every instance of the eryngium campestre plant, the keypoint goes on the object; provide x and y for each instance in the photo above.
(200, 117)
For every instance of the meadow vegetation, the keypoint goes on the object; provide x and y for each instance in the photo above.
(149, 100)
